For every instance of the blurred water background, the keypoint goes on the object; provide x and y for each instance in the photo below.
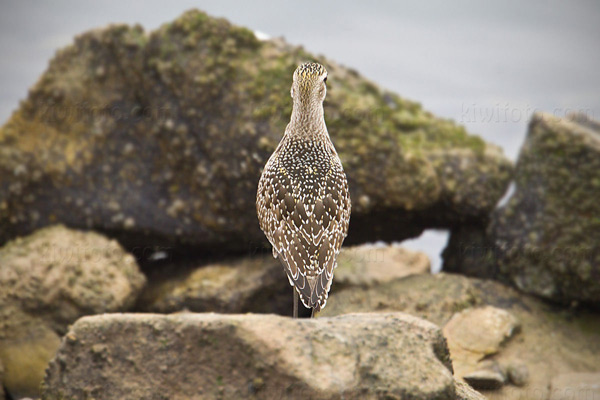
(488, 65)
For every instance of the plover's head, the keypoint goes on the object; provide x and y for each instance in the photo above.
(309, 83)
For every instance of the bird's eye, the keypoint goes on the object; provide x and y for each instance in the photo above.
(325, 80)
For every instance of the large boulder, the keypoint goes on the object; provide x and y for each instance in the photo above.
(159, 139)
(258, 283)
(212, 356)
(545, 239)
(493, 330)
(47, 281)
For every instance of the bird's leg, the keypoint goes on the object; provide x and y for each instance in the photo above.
(312, 313)
(295, 315)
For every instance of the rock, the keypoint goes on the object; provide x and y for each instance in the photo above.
(544, 240)
(517, 373)
(480, 330)
(25, 350)
(432, 297)
(576, 386)
(159, 138)
(1, 381)
(47, 281)
(466, 392)
(251, 356)
(250, 284)
(573, 336)
(475, 333)
(258, 283)
(370, 265)
(60, 274)
(485, 379)
(471, 252)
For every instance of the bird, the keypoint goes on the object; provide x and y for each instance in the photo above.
(303, 202)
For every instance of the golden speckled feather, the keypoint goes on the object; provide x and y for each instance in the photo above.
(303, 203)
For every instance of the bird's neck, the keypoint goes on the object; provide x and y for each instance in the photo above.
(308, 121)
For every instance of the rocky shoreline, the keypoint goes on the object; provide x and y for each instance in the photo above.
(132, 265)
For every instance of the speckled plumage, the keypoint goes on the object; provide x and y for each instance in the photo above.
(303, 203)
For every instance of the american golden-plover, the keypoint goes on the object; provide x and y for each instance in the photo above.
(303, 203)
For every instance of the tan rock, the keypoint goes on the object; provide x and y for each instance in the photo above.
(209, 356)
(480, 330)
(26, 354)
(517, 373)
(258, 284)
(576, 386)
(475, 333)
(47, 281)
(61, 274)
(466, 392)
(255, 284)
(368, 265)
(550, 341)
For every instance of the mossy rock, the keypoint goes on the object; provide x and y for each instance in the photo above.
(159, 139)
(545, 240)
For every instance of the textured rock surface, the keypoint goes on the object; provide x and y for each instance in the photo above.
(371, 265)
(159, 138)
(258, 283)
(576, 386)
(545, 240)
(480, 330)
(475, 333)
(60, 274)
(466, 392)
(252, 284)
(573, 346)
(356, 356)
(47, 281)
